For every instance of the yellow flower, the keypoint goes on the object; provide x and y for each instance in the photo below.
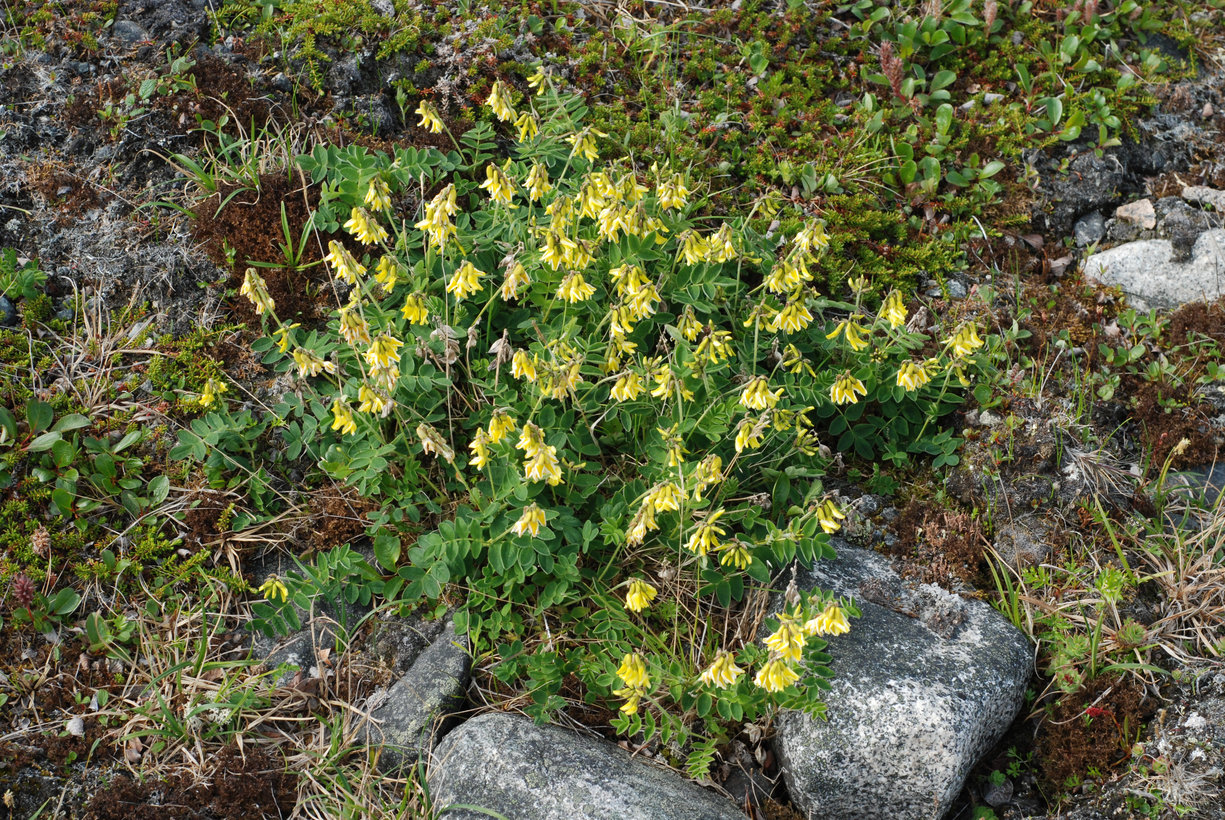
(706, 537)
(384, 351)
(530, 521)
(480, 449)
(500, 425)
(283, 336)
(672, 192)
(666, 496)
(516, 278)
(530, 439)
(720, 247)
(793, 318)
(499, 101)
(912, 376)
(748, 434)
(367, 230)
(378, 195)
(709, 471)
(794, 362)
(756, 395)
(639, 596)
(693, 247)
(438, 212)
(633, 671)
(788, 640)
(387, 272)
(500, 188)
(538, 182)
(831, 621)
(255, 289)
(528, 126)
(811, 236)
(311, 365)
(828, 515)
(274, 588)
(894, 310)
(537, 79)
(212, 389)
(543, 466)
(429, 117)
(666, 382)
(845, 388)
(675, 445)
(776, 676)
(344, 266)
(342, 418)
(523, 366)
(851, 330)
(736, 554)
(723, 672)
(372, 401)
(966, 341)
(414, 309)
(465, 281)
(632, 699)
(584, 143)
(628, 387)
(353, 326)
(575, 289)
(556, 246)
(715, 347)
(689, 326)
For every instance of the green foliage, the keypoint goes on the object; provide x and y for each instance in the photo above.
(665, 375)
(24, 281)
(338, 579)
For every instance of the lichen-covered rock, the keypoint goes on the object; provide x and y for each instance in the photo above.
(406, 718)
(506, 764)
(924, 684)
(1151, 277)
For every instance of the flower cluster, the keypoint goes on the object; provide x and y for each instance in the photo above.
(660, 396)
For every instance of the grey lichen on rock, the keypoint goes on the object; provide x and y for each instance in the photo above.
(1149, 274)
(406, 718)
(924, 684)
(504, 763)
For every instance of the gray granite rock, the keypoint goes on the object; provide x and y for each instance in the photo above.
(1149, 275)
(504, 763)
(406, 718)
(924, 684)
(1205, 196)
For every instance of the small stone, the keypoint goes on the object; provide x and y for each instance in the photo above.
(1208, 111)
(1139, 213)
(956, 289)
(1089, 229)
(8, 313)
(129, 32)
(1205, 196)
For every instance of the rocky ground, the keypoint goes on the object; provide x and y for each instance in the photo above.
(951, 696)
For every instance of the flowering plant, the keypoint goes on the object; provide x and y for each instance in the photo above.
(615, 407)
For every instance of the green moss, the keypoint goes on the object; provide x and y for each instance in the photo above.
(186, 364)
